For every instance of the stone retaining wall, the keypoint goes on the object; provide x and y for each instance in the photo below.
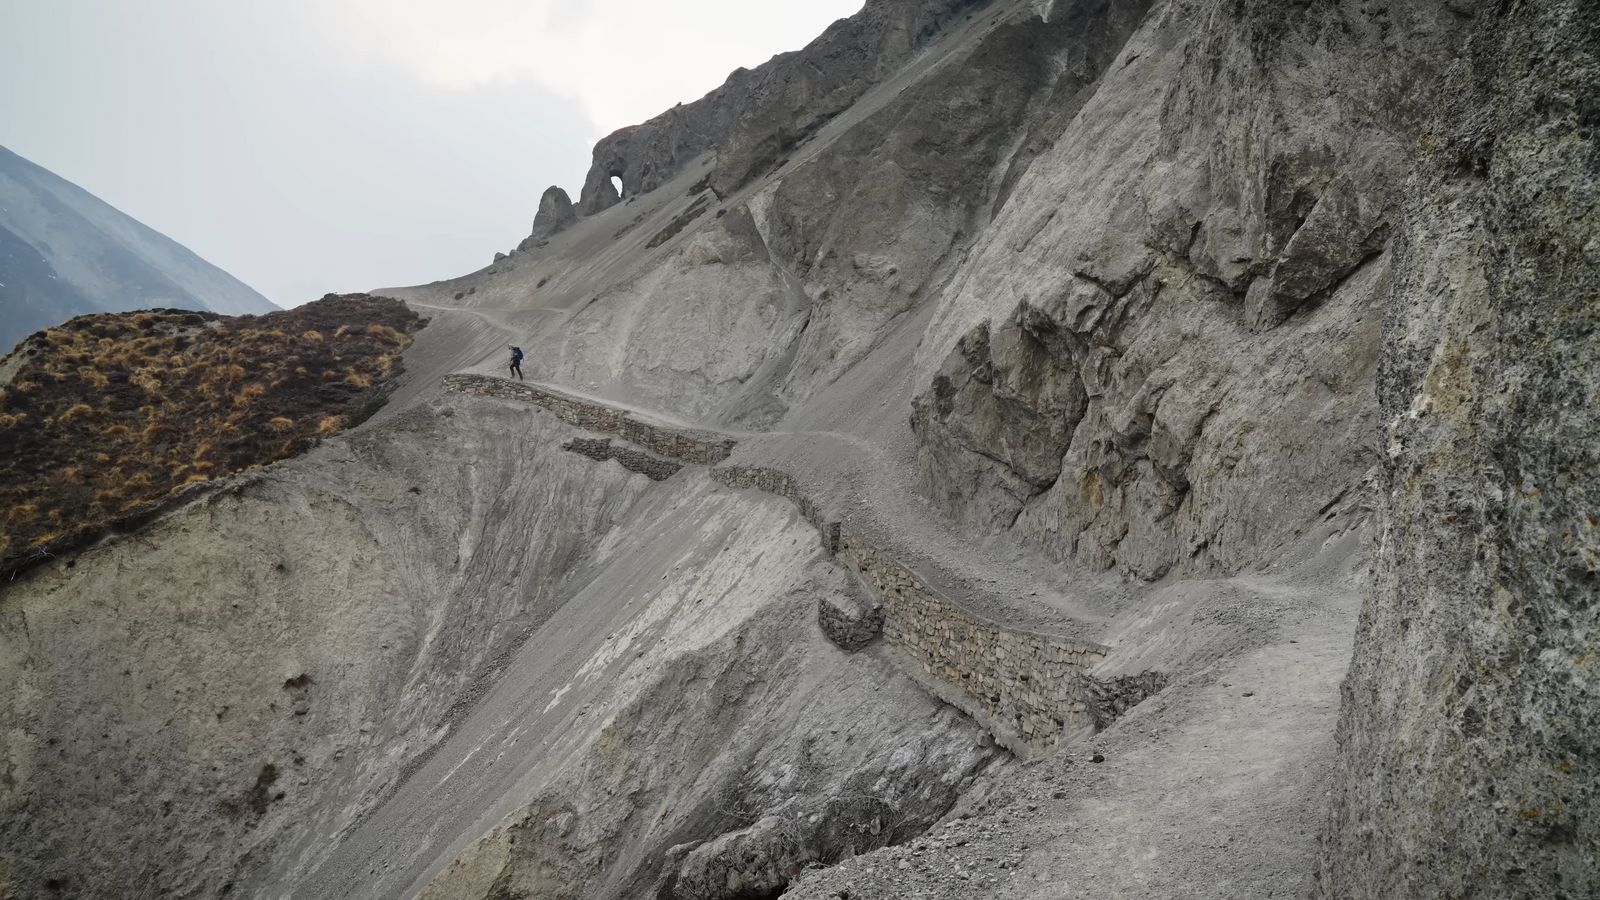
(680, 444)
(1027, 686)
(631, 458)
(774, 481)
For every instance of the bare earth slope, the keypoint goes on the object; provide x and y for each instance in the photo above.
(979, 445)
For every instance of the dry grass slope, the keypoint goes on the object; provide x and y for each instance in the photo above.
(107, 415)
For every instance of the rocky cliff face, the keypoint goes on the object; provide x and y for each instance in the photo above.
(1184, 293)
(1146, 341)
(1468, 765)
(759, 115)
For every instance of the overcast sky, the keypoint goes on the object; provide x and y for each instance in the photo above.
(309, 146)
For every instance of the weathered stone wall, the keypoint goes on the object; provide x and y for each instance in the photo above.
(631, 458)
(1027, 686)
(680, 444)
(777, 482)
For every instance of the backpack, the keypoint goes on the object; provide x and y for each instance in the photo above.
(516, 354)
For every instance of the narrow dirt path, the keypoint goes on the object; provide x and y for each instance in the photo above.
(873, 495)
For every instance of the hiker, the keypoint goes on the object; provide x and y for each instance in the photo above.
(516, 362)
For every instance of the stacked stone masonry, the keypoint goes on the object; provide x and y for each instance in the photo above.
(679, 444)
(774, 481)
(1029, 688)
(631, 458)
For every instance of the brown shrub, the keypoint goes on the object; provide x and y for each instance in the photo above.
(22, 512)
(249, 394)
(76, 411)
(387, 333)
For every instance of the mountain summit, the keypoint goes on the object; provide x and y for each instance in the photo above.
(65, 252)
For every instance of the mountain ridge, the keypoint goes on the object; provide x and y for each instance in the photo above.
(65, 252)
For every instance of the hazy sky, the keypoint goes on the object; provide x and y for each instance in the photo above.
(309, 146)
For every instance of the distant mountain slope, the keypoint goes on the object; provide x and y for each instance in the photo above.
(65, 252)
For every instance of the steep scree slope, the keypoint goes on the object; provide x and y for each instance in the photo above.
(1144, 332)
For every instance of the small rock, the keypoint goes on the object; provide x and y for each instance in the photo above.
(1099, 758)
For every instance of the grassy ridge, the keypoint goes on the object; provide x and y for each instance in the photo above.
(108, 414)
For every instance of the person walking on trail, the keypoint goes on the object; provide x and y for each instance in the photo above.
(516, 362)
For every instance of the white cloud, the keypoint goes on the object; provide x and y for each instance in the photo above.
(621, 60)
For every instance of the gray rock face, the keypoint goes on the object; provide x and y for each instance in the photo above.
(1468, 760)
(796, 93)
(350, 628)
(875, 221)
(1198, 227)
(758, 114)
(555, 213)
(503, 672)
(848, 617)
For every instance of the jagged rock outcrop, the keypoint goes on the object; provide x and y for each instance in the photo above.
(1468, 762)
(757, 115)
(1200, 225)
(757, 307)
(555, 213)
